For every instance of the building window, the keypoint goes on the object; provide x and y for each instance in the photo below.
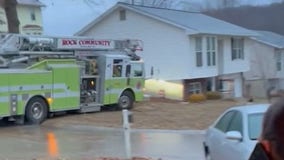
(237, 48)
(211, 51)
(278, 58)
(2, 22)
(226, 85)
(117, 68)
(198, 51)
(33, 16)
(194, 87)
(122, 15)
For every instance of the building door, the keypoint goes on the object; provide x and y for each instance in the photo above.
(238, 90)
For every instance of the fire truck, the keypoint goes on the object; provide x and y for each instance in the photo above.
(42, 75)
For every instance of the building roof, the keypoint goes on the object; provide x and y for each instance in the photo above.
(31, 3)
(191, 22)
(270, 38)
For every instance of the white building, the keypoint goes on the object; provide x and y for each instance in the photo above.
(184, 52)
(266, 64)
(29, 15)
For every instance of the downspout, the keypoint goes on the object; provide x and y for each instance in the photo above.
(243, 84)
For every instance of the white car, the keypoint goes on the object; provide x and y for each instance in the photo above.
(234, 134)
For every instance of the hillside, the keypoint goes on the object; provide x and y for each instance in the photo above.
(269, 17)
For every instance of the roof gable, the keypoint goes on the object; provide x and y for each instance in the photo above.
(31, 3)
(191, 22)
(200, 23)
(270, 38)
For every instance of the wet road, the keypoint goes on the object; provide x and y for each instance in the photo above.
(89, 142)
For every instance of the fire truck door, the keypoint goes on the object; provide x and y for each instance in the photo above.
(118, 80)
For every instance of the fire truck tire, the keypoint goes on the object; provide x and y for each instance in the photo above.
(126, 100)
(36, 111)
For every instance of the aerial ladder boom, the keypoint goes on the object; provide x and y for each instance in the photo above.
(17, 47)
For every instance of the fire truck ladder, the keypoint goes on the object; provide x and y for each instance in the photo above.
(16, 47)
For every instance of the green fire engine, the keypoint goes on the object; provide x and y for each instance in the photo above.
(42, 75)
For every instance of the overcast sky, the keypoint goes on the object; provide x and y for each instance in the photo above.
(66, 17)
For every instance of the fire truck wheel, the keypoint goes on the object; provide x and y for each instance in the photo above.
(126, 100)
(36, 111)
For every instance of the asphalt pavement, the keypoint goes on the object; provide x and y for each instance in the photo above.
(90, 142)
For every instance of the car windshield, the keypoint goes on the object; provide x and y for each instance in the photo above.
(254, 125)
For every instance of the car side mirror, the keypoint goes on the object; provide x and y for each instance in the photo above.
(234, 135)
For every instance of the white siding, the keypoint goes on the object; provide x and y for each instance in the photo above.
(280, 74)
(235, 66)
(256, 88)
(3, 23)
(166, 47)
(262, 63)
(263, 72)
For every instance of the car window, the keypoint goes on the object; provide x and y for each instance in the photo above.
(236, 123)
(254, 125)
(224, 121)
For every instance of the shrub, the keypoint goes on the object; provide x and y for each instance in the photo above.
(195, 98)
(213, 95)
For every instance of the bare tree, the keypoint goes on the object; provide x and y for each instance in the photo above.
(219, 4)
(230, 3)
(10, 7)
(93, 2)
(208, 5)
(162, 3)
(153, 3)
